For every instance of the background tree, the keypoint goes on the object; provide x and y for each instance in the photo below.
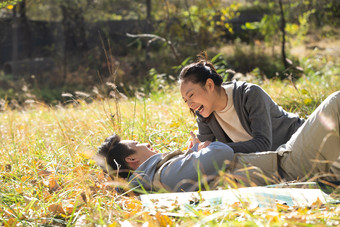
(164, 34)
(25, 30)
(283, 22)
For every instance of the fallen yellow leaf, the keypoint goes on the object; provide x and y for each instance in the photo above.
(317, 203)
(114, 224)
(307, 101)
(282, 207)
(69, 209)
(19, 189)
(81, 170)
(132, 204)
(163, 220)
(272, 217)
(11, 222)
(25, 178)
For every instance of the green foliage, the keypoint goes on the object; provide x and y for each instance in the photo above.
(9, 3)
(246, 59)
(154, 81)
(201, 24)
(299, 16)
(221, 65)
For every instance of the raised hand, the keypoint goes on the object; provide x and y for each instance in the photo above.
(195, 140)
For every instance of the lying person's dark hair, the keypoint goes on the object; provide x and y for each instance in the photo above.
(112, 154)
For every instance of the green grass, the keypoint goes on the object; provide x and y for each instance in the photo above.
(47, 176)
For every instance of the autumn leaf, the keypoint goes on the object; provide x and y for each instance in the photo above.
(56, 209)
(282, 207)
(174, 124)
(272, 217)
(46, 195)
(86, 155)
(163, 220)
(101, 176)
(19, 189)
(53, 184)
(11, 222)
(149, 220)
(131, 204)
(307, 101)
(25, 178)
(317, 203)
(81, 170)
(38, 163)
(70, 208)
(114, 224)
(44, 173)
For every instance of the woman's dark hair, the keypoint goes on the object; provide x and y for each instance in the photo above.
(111, 156)
(200, 72)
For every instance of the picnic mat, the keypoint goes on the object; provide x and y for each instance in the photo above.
(252, 197)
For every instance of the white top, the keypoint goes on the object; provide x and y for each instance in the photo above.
(229, 120)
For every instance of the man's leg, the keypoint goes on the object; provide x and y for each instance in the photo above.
(315, 147)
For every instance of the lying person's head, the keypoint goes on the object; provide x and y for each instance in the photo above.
(123, 156)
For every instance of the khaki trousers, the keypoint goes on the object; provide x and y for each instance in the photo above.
(314, 149)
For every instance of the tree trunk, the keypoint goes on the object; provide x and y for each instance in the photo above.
(26, 31)
(74, 28)
(283, 31)
(15, 25)
(75, 42)
(148, 10)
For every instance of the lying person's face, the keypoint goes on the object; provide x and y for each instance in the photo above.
(143, 152)
(139, 147)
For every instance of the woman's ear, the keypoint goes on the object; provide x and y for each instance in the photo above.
(209, 84)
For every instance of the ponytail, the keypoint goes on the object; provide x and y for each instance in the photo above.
(200, 71)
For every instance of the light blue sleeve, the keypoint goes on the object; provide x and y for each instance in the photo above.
(195, 147)
(184, 173)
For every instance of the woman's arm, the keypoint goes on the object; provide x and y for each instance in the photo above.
(253, 107)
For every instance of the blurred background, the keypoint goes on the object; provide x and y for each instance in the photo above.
(49, 48)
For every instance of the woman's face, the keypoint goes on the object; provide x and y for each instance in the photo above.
(199, 98)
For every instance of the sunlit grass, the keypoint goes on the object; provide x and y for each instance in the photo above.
(47, 176)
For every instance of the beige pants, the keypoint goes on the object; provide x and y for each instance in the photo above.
(313, 151)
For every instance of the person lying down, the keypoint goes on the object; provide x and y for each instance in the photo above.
(313, 152)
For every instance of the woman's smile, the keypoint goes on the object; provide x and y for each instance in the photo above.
(200, 109)
(199, 99)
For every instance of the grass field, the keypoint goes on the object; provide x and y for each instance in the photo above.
(47, 176)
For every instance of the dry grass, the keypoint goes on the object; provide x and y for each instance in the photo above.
(47, 176)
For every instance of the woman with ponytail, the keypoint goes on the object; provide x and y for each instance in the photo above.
(240, 114)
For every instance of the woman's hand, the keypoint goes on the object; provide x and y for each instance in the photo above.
(195, 140)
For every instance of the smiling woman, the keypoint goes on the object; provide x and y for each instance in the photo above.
(239, 114)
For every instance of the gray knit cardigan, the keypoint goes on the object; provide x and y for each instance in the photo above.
(268, 124)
